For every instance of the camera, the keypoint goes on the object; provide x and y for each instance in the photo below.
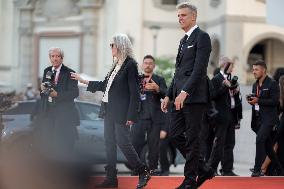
(249, 96)
(48, 84)
(233, 80)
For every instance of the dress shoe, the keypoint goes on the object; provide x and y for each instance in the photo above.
(144, 177)
(257, 173)
(188, 183)
(208, 173)
(165, 173)
(228, 173)
(111, 178)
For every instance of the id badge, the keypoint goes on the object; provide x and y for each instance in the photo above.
(256, 107)
(49, 99)
(143, 97)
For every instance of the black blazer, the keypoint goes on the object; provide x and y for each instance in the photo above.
(191, 69)
(268, 102)
(151, 107)
(221, 98)
(123, 95)
(65, 115)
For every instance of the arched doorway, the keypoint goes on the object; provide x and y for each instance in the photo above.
(214, 57)
(270, 50)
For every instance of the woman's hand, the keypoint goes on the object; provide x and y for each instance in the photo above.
(77, 77)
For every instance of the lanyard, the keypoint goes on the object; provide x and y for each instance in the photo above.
(257, 90)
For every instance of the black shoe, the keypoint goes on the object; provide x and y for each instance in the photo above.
(251, 169)
(188, 184)
(111, 178)
(155, 172)
(108, 183)
(165, 173)
(206, 174)
(228, 173)
(257, 173)
(144, 177)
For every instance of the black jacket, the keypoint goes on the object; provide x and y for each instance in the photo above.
(62, 114)
(123, 95)
(268, 102)
(151, 107)
(191, 69)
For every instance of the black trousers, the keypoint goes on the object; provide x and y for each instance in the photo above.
(147, 131)
(264, 146)
(164, 147)
(184, 133)
(119, 134)
(227, 161)
(224, 142)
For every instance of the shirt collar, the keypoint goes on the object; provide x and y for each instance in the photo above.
(191, 30)
(223, 74)
(58, 69)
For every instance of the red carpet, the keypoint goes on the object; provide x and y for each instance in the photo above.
(127, 182)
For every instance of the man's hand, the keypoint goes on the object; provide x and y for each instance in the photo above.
(129, 123)
(253, 100)
(180, 100)
(164, 104)
(152, 86)
(236, 90)
(163, 134)
(227, 83)
(42, 87)
(53, 93)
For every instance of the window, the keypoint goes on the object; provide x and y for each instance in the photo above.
(169, 2)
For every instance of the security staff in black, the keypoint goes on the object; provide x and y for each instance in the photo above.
(264, 100)
(151, 118)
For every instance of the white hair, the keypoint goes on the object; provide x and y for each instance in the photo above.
(58, 49)
(223, 61)
(123, 45)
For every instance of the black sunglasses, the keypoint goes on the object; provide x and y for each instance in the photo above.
(111, 45)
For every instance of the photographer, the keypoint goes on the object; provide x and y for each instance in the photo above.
(264, 100)
(151, 118)
(228, 104)
(57, 130)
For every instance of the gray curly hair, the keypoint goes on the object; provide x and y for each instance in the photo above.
(123, 45)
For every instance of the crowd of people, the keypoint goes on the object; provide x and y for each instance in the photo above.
(195, 114)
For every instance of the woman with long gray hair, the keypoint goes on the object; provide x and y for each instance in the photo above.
(120, 109)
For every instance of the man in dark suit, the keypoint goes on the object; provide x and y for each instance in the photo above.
(60, 117)
(151, 118)
(189, 91)
(224, 129)
(264, 101)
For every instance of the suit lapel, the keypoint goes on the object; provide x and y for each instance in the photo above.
(62, 74)
(188, 42)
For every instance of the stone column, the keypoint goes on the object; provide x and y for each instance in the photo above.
(90, 24)
(25, 48)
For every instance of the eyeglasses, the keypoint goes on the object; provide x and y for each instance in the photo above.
(111, 45)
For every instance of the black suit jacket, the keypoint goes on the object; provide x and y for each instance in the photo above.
(191, 69)
(123, 95)
(268, 102)
(151, 107)
(222, 99)
(63, 115)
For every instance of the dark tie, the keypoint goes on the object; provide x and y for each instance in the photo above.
(182, 42)
(54, 76)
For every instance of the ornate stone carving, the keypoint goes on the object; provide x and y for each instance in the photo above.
(53, 9)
